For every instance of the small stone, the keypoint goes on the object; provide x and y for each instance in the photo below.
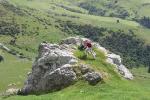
(93, 78)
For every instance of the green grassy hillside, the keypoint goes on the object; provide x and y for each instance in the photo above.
(31, 22)
(13, 70)
(128, 9)
(112, 88)
(109, 22)
(136, 10)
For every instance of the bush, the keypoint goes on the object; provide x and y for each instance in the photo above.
(145, 21)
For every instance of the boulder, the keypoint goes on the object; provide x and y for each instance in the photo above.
(116, 60)
(125, 72)
(52, 70)
(92, 77)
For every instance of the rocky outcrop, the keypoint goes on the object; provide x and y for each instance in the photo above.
(56, 67)
(111, 57)
(52, 70)
(116, 61)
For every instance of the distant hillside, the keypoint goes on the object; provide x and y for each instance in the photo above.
(25, 24)
(128, 9)
(122, 26)
(135, 10)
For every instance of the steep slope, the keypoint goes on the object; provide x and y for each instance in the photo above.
(31, 22)
(25, 24)
(113, 86)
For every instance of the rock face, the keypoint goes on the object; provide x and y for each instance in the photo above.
(51, 71)
(116, 60)
(54, 68)
(111, 57)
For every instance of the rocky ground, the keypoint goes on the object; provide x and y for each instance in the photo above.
(56, 67)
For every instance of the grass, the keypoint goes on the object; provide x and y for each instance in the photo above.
(135, 8)
(98, 64)
(32, 37)
(14, 70)
(113, 88)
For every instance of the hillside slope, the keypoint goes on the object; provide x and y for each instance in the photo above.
(25, 24)
(129, 9)
(113, 86)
